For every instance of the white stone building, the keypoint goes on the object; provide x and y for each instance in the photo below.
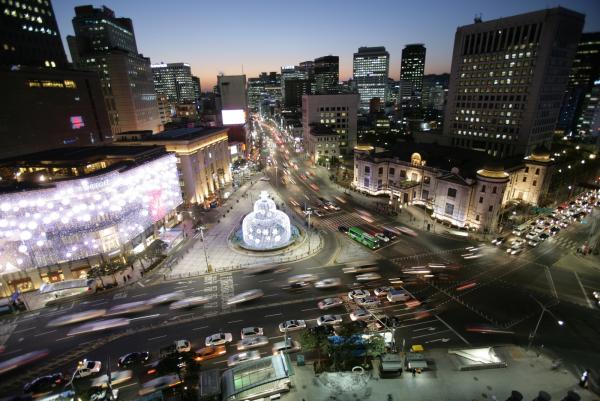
(461, 187)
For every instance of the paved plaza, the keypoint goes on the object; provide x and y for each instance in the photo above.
(222, 255)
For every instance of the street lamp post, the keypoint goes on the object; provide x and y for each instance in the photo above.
(208, 268)
(544, 310)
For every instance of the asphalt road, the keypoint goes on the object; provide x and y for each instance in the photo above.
(495, 289)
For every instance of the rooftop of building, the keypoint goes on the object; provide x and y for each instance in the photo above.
(530, 16)
(40, 169)
(176, 134)
(445, 158)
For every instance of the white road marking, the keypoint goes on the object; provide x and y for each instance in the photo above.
(127, 385)
(583, 290)
(308, 309)
(430, 328)
(266, 281)
(185, 314)
(454, 331)
(430, 334)
(199, 328)
(551, 281)
(156, 338)
(275, 314)
(24, 330)
(44, 333)
(444, 340)
(274, 337)
(139, 295)
(140, 284)
(418, 324)
(235, 321)
(145, 317)
(270, 295)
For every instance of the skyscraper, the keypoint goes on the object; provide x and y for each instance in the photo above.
(371, 69)
(29, 35)
(508, 79)
(106, 44)
(411, 75)
(175, 81)
(297, 74)
(435, 91)
(197, 87)
(326, 75)
(584, 73)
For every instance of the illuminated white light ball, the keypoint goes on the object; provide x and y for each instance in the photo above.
(40, 243)
(26, 235)
(22, 249)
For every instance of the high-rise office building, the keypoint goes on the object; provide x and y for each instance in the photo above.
(326, 75)
(259, 89)
(46, 104)
(508, 79)
(371, 69)
(175, 81)
(301, 81)
(106, 44)
(584, 73)
(29, 35)
(435, 91)
(197, 88)
(412, 70)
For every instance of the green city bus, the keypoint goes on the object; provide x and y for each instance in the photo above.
(362, 237)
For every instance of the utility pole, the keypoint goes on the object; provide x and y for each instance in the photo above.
(544, 310)
(208, 268)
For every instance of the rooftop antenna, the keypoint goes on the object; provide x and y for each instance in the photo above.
(478, 18)
(242, 69)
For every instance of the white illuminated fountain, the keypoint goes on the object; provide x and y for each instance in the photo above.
(266, 228)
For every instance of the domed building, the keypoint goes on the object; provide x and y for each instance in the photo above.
(266, 228)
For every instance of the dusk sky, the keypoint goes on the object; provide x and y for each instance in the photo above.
(221, 36)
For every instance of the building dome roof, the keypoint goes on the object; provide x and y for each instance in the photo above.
(364, 148)
(540, 154)
(492, 169)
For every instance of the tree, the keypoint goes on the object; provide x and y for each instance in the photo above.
(315, 339)
(375, 346)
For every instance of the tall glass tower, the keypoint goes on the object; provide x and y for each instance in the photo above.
(371, 69)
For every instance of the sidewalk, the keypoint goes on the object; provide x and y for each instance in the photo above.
(525, 373)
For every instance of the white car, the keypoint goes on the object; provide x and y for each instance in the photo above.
(533, 242)
(368, 277)
(382, 237)
(328, 283)
(383, 291)
(251, 332)
(514, 250)
(287, 346)
(159, 383)
(191, 302)
(245, 296)
(359, 293)
(299, 278)
(87, 368)
(368, 301)
(130, 307)
(329, 320)
(498, 241)
(359, 314)
(252, 342)
(292, 325)
(218, 339)
(360, 269)
(531, 235)
(183, 346)
(328, 303)
(242, 357)
(167, 298)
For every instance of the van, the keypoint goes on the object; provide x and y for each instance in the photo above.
(397, 296)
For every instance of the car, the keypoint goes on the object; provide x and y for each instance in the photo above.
(360, 269)
(167, 298)
(328, 303)
(407, 231)
(359, 314)
(302, 278)
(251, 332)
(330, 320)
(554, 230)
(300, 285)
(543, 236)
(531, 235)
(382, 291)
(333, 206)
(292, 325)
(368, 277)
(382, 237)
(498, 241)
(44, 384)
(596, 294)
(367, 301)
(318, 213)
(328, 283)
(160, 383)
(133, 359)
(389, 233)
(210, 352)
(252, 342)
(218, 339)
(190, 302)
(518, 241)
(515, 249)
(242, 357)
(87, 368)
(264, 179)
(177, 347)
(245, 296)
(343, 229)
(533, 242)
(287, 346)
(130, 307)
(358, 293)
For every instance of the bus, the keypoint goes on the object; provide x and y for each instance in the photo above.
(67, 289)
(362, 237)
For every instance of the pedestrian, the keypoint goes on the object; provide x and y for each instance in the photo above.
(414, 372)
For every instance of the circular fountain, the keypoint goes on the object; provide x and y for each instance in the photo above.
(266, 228)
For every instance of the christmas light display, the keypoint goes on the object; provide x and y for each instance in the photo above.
(266, 227)
(82, 217)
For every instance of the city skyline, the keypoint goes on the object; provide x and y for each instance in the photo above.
(340, 38)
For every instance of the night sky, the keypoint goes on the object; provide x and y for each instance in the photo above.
(263, 35)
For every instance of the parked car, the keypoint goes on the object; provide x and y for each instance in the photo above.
(242, 357)
(359, 314)
(382, 291)
(252, 342)
(358, 293)
(330, 320)
(328, 303)
(251, 332)
(44, 384)
(286, 346)
(292, 325)
(367, 301)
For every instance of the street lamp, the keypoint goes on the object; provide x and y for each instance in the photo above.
(208, 268)
(544, 310)
(308, 213)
